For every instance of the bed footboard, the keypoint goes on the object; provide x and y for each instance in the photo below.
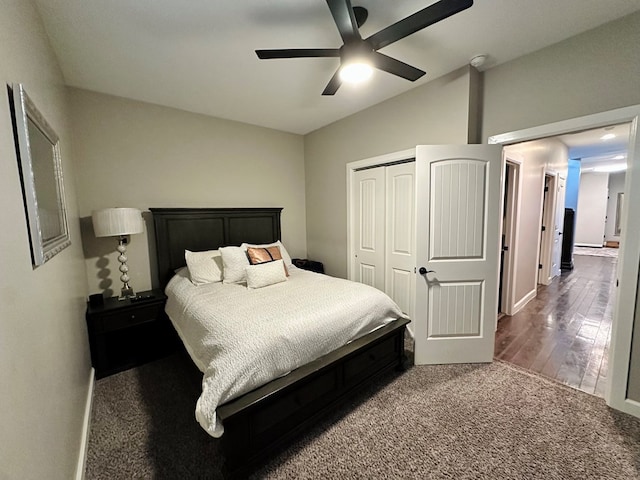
(262, 421)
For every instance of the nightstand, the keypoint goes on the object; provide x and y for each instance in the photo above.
(124, 333)
(310, 265)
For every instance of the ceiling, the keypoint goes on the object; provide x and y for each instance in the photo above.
(198, 55)
(594, 151)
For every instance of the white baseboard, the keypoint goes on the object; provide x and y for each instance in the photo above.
(523, 301)
(86, 427)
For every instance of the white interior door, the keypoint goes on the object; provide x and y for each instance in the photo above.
(458, 192)
(401, 238)
(592, 209)
(547, 233)
(368, 200)
(512, 180)
(557, 230)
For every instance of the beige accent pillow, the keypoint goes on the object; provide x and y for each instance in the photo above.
(204, 267)
(283, 251)
(259, 255)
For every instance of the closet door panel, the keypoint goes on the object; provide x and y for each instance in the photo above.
(400, 235)
(368, 197)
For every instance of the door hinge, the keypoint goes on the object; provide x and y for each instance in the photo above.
(546, 189)
(543, 228)
(539, 266)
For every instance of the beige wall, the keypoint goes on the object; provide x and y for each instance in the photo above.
(43, 340)
(135, 154)
(538, 157)
(589, 73)
(435, 113)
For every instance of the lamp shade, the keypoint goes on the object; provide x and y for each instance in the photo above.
(112, 222)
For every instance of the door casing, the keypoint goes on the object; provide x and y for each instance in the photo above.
(629, 255)
(510, 232)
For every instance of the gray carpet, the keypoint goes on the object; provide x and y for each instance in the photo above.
(456, 422)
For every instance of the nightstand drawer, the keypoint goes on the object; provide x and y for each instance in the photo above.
(130, 317)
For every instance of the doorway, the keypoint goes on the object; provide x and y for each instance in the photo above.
(508, 239)
(627, 276)
(569, 342)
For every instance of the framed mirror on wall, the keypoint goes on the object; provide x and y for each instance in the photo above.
(38, 151)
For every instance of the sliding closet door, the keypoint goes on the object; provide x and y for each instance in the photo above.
(400, 235)
(368, 200)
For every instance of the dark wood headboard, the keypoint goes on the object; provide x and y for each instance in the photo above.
(198, 229)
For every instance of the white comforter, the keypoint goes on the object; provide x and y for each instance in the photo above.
(241, 338)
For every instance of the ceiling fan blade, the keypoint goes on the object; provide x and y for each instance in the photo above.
(396, 67)
(333, 85)
(298, 53)
(419, 20)
(345, 20)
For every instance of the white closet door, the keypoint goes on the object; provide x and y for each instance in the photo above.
(400, 238)
(368, 200)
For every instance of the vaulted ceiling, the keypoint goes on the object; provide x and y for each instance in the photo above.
(198, 55)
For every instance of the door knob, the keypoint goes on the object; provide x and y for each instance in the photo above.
(424, 271)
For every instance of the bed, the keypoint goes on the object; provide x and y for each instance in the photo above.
(261, 421)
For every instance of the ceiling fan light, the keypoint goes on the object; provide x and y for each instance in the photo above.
(356, 72)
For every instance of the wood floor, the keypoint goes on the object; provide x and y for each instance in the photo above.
(564, 333)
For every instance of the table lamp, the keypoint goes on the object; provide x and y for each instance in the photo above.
(119, 222)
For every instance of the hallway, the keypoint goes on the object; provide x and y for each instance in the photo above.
(564, 333)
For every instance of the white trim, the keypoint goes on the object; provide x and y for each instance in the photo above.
(545, 274)
(629, 255)
(524, 300)
(511, 266)
(628, 406)
(382, 159)
(537, 277)
(86, 427)
(559, 212)
(351, 168)
(588, 122)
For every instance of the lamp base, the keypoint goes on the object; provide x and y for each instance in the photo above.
(126, 293)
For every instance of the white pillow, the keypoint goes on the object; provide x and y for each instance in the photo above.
(234, 261)
(204, 267)
(264, 274)
(283, 251)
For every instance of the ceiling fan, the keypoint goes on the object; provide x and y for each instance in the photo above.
(355, 49)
